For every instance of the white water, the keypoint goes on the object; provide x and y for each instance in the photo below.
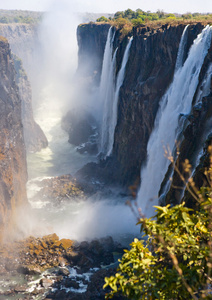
(59, 157)
(106, 90)
(113, 117)
(204, 89)
(180, 54)
(177, 100)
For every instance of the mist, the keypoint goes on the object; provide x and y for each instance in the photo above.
(58, 87)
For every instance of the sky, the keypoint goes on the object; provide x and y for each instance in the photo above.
(111, 6)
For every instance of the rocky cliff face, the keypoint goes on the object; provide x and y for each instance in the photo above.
(13, 171)
(91, 41)
(22, 39)
(34, 136)
(149, 72)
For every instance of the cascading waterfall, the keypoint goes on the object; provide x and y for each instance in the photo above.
(181, 51)
(109, 93)
(106, 90)
(176, 101)
(119, 82)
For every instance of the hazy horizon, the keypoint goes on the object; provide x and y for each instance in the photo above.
(94, 6)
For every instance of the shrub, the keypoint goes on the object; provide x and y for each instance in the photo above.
(102, 19)
(137, 22)
(174, 258)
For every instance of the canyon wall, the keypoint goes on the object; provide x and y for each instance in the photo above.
(23, 41)
(149, 72)
(34, 136)
(13, 169)
(91, 44)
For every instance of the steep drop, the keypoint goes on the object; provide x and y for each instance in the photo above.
(176, 101)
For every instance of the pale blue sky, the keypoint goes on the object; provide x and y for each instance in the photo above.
(181, 6)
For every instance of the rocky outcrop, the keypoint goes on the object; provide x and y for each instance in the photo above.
(149, 72)
(82, 130)
(34, 136)
(13, 171)
(72, 270)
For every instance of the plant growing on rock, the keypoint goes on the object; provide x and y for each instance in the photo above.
(174, 258)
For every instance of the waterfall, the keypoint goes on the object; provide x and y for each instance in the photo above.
(106, 90)
(204, 89)
(177, 100)
(119, 82)
(109, 93)
(181, 51)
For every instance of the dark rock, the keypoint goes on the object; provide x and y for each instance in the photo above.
(82, 129)
(70, 283)
(91, 40)
(63, 272)
(59, 295)
(28, 270)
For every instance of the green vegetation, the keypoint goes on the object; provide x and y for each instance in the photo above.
(18, 16)
(102, 19)
(174, 260)
(139, 17)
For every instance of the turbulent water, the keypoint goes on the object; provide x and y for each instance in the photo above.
(176, 101)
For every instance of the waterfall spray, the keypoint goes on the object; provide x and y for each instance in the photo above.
(176, 101)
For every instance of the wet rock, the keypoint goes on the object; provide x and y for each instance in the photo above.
(29, 270)
(36, 292)
(63, 272)
(46, 283)
(70, 283)
(58, 295)
(81, 127)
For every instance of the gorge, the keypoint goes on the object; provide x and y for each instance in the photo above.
(130, 96)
